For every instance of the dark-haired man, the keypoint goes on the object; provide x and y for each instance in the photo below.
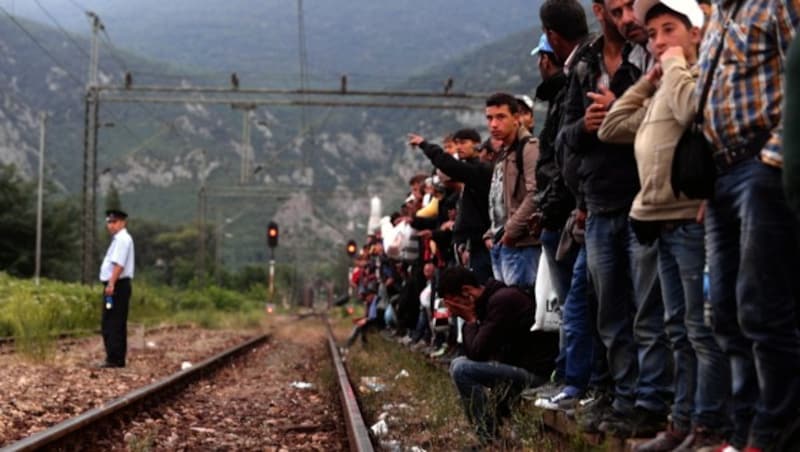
(500, 351)
(609, 181)
(116, 273)
(472, 218)
(514, 245)
(557, 186)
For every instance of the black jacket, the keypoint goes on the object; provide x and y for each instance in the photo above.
(553, 198)
(502, 332)
(473, 205)
(608, 176)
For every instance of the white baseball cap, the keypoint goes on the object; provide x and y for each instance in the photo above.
(689, 8)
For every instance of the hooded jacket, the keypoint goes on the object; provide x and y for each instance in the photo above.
(656, 118)
(502, 332)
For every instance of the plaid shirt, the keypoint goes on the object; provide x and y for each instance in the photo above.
(747, 88)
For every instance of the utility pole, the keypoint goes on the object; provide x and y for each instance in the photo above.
(97, 26)
(245, 171)
(39, 198)
(88, 226)
(201, 219)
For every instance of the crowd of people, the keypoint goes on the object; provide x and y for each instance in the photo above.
(598, 197)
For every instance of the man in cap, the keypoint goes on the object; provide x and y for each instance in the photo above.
(116, 273)
(702, 383)
(526, 119)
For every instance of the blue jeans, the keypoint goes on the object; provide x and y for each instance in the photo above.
(753, 260)
(702, 372)
(515, 266)
(560, 275)
(472, 378)
(625, 277)
(577, 327)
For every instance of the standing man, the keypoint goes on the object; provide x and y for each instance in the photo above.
(791, 135)
(501, 352)
(751, 237)
(116, 273)
(623, 272)
(514, 245)
(565, 32)
(654, 112)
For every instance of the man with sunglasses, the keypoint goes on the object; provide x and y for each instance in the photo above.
(116, 273)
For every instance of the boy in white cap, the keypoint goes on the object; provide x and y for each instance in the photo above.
(654, 114)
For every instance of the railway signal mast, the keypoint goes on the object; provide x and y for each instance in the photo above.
(272, 243)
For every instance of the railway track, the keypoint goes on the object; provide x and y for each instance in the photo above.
(184, 402)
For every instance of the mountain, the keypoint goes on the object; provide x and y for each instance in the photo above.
(375, 42)
(315, 182)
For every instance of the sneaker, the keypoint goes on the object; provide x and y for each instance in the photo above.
(591, 412)
(439, 352)
(664, 441)
(405, 340)
(562, 401)
(544, 391)
(642, 423)
(701, 437)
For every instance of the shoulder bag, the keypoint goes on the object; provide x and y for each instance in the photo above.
(693, 169)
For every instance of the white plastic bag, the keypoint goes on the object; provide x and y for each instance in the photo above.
(548, 312)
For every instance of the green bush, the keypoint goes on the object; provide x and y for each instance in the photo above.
(34, 315)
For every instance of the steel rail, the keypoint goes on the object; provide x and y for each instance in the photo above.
(97, 415)
(357, 431)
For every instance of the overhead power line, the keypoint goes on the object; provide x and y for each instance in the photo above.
(42, 47)
(63, 31)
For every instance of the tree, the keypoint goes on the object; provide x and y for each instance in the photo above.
(60, 230)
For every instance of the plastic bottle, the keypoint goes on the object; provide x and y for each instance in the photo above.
(109, 301)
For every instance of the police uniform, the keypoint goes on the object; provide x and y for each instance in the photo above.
(115, 311)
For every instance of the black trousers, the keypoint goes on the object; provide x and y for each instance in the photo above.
(115, 321)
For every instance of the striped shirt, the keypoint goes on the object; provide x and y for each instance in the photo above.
(747, 88)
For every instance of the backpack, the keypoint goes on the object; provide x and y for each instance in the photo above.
(518, 154)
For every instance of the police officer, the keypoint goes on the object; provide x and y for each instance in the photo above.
(116, 273)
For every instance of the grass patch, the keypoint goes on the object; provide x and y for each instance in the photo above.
(435, 420)
(36, 315)
(423, 408)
